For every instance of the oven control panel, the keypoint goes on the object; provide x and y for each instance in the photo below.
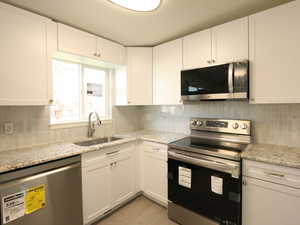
(221, 125)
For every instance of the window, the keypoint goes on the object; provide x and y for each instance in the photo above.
(78, 90)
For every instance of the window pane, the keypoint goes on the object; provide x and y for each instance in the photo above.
(66, 83)
(95, 91)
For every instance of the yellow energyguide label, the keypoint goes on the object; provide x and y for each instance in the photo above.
(35, 199)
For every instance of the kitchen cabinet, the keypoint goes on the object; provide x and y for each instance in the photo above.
(27, 44)
(278, 189)
(108, 180)
(197, 50)
(274, 55)
(139, 72)
(230, 42)
(122, 176)
(77, 42)
(96, 188)
(154, 171)
(219, 45)
(167, 66)
(110, 52)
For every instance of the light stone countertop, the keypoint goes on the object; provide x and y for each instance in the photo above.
(24, 157)
(153, 136)
(273, 154)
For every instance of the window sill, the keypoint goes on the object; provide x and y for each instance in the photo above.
(84, 123)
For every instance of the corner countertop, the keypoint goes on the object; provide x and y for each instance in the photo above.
(153, 136)
(25, 157)
(273, 154)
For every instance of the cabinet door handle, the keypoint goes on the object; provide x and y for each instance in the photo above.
(95, 54)
(110, 153)
(213, 61)
(208, 61)
(277, 175)
(99, 55)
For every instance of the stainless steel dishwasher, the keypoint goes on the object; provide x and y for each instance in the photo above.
(48, 194)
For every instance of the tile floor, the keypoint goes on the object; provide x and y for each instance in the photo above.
(141, 211)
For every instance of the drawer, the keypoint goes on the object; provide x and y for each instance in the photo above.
(272, 173)
(155, 150)
(108, 154)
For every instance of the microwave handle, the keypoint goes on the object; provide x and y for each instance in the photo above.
(230, 77)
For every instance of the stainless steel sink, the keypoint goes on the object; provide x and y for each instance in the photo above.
(97, 141)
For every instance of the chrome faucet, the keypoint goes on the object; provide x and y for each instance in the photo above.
(91, 127)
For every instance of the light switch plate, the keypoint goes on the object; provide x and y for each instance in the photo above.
(8, 128)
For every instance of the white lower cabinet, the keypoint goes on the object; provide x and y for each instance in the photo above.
(154, 171)
(108, 179)
(271, 195)
(122, 177)
(96, 189)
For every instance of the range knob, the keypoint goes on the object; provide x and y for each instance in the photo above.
(194, 122)
(235, 125)
(199, 123)
(244, 126)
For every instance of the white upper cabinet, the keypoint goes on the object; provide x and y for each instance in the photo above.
(139, 71)
(197, 50)
(274, 55)
(230, 42)
(77, 42)
(26, 45)
(219, 45)
(167, 66)
(110, 52)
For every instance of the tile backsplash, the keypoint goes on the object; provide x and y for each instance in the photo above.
(272, 124)
(31, 126)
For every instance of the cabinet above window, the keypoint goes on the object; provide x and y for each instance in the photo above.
(77, 42)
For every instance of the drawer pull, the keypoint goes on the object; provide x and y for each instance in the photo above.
(111, 153)
(277, 175)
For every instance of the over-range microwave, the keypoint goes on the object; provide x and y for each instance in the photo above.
(227, 81)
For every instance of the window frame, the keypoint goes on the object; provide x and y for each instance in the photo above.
(83, 121)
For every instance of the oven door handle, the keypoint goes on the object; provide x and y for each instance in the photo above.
(229, 168)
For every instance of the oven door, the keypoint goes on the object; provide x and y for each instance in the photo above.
(214, 82)
(203, 188)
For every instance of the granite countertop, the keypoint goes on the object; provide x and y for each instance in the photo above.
(153, 136)
(24, 157)
(274, 154)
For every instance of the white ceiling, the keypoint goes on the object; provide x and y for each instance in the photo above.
(174, 18)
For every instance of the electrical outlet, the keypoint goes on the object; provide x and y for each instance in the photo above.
(8, 128)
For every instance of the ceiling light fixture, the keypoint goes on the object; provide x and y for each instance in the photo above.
(138, 5)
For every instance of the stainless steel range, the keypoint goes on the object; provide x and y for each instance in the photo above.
(204, 172)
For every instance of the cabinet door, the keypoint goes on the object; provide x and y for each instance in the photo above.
(197, 50)
(230, 42)
(23, 58)
(77, 42)
(96, 190)
(269, 203)
(274, 55)
(110, 52)
(139, 68)
(122, 177)
(155, 177)
(167, 67)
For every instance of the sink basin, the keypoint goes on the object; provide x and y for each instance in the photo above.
(97, 141)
